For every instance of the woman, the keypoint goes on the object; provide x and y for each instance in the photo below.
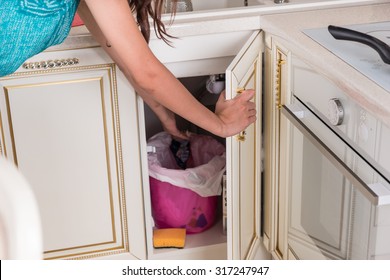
(124, 37)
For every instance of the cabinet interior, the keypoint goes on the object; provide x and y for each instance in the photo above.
(216, 234)
(197, 86)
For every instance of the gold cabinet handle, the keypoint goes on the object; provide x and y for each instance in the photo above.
(241, 136)
(240, 90)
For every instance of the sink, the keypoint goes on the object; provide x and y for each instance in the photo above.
(201, 5)
(209, 5)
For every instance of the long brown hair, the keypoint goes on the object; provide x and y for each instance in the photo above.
(153, 9)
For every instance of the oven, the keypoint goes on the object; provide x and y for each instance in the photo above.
(337, 191)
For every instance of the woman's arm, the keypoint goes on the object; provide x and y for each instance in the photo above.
(166, 117)
(114, 27)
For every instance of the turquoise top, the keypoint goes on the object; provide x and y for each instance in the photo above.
(27, 27)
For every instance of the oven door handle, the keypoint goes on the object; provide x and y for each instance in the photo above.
(331, 156)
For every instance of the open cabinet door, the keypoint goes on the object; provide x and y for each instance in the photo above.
(244, 156)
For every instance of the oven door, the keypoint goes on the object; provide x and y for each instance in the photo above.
(331, 210)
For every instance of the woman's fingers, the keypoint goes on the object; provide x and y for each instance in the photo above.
(237, 113)
(246, 95)
(248, 107)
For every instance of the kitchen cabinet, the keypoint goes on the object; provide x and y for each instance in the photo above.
(244, 156)
(316, 210)
(243, 69)
(357, 220)
(77, 131)
(71, 129)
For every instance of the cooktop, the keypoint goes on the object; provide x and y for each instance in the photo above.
(360, 56)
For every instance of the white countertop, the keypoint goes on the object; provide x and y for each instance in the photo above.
(287, 29)
(222, 20)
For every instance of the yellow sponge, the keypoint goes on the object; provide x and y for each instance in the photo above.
(169, 238)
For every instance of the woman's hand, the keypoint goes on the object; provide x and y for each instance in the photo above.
(169, 124)
(236, 114)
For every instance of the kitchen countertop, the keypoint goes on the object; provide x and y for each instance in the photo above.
(220, 20)
(218, 9)
(287, 29)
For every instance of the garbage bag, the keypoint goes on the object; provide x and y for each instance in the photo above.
(185, 198)
(205, 165)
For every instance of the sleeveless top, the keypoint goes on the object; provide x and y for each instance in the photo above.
(27, 27)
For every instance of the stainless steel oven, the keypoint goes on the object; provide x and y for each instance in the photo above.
(338, 195)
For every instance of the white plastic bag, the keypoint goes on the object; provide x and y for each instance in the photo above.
(204, 175)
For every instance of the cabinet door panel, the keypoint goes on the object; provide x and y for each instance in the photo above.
(63, 130)
(243, 156)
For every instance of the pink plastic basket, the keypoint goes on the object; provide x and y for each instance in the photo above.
(175, 207)
(186, 198)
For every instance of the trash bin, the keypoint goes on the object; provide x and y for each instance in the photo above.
(185, 198)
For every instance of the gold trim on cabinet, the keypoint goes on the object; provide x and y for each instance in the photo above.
(255, 194)
(111, 69)
(254, 237)
(50, 83)
(3, 151)
(242, 135)
(91, 254)
(42, 72)
(108, 158)
(11, 130)
(278, 102)
(278, 78)
(119, 157)
(78, 247)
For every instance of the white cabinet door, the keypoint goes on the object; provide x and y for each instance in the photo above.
(72, 131)
(243, 156)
